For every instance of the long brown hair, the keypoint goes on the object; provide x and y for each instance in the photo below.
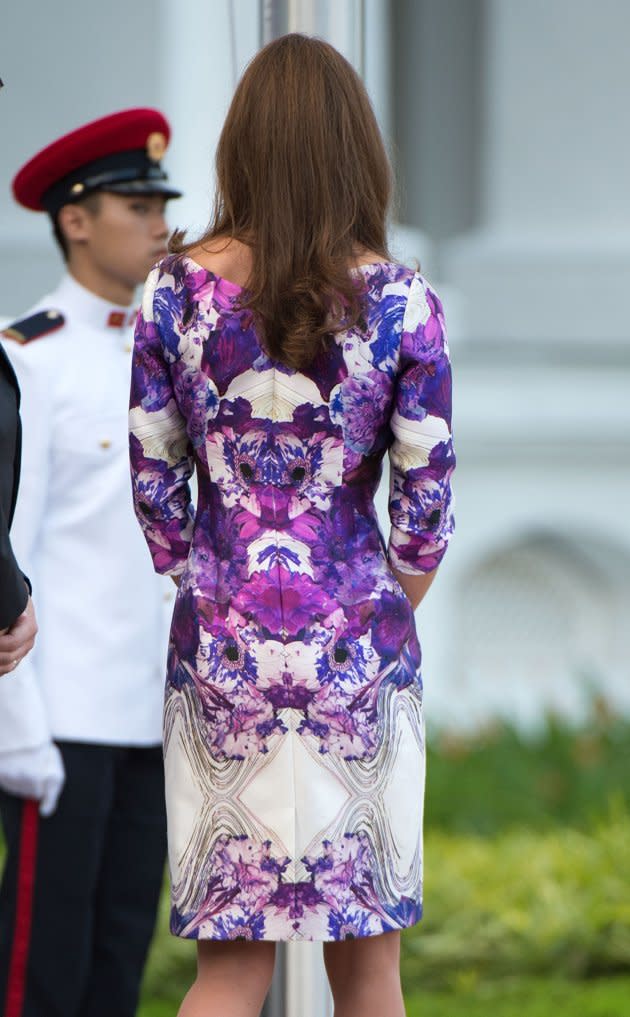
(304, 179)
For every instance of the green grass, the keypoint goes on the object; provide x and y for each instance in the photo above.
(606, 997)
(157, 1008)
(526, 997)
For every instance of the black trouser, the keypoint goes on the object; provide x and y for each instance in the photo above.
(98, 871)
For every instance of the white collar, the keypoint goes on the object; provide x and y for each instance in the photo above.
(92, 309)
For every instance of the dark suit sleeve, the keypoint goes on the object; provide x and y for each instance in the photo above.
(13, 587)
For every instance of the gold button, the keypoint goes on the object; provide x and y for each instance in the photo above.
(105, 443)
(77, 188)
(52, 314)
(128, 348)
(168, 597)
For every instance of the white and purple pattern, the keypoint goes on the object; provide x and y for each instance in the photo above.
(294, 747)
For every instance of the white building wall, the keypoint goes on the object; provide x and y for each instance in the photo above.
(62, 65)
(527, 617)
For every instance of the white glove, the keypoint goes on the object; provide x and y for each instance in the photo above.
(34, 773)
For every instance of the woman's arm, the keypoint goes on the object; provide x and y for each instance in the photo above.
(161, 453)
(415, 586)
(421, 453)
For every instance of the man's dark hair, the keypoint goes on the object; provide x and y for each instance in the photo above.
(92, 202)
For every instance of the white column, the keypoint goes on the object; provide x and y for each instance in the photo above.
(556, 97)
(205, 45)
(552, 249)
(377, 62)
(340, 22)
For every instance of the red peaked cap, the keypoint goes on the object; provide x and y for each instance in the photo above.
(120, 152)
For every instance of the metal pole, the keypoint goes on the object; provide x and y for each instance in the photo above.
(340, 22)
(300, 986)
(275, 1004)
(274, 20)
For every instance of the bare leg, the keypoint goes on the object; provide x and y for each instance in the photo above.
(232, 979)
(364, 976)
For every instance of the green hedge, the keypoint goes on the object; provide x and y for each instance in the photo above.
(490, 782)
(523, 903)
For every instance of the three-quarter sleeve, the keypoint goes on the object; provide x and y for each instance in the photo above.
(160, 450)
(421, 453)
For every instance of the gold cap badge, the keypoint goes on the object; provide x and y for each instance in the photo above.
(156, 145)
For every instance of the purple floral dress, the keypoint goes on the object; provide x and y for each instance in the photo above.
(293, 730)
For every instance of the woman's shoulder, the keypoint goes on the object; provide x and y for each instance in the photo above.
(224, 257)
(385, 271)
(167, 286)
(395, 283)
(176, 270)
(174, 280)
(403, 308)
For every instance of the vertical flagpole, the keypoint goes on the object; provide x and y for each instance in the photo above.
(300, 987)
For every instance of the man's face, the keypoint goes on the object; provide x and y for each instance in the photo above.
(125, 236)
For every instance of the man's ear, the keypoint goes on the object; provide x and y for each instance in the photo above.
(74, 221)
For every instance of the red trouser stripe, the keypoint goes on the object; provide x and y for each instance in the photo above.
(27, 858)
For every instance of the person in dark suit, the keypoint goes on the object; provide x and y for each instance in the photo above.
(18, 626)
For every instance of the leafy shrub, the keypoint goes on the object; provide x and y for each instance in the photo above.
(523, 903)
(498, 779)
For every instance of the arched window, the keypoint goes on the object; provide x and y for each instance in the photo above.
(543, 629)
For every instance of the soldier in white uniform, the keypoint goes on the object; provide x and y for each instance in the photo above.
(81, 779)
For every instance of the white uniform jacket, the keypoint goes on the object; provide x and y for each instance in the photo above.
(96, 673)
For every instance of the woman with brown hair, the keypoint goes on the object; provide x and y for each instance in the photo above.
(280, 356)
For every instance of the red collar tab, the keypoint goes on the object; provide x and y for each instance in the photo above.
(122, 319)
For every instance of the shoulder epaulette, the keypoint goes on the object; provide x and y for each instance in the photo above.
(35, 326)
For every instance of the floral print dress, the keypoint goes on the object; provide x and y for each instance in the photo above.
(293, 729)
